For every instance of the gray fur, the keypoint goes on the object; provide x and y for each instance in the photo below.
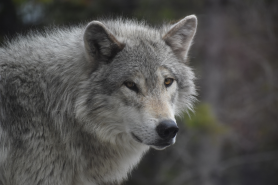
(65, 115)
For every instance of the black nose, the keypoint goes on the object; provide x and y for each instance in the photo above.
(167, 129)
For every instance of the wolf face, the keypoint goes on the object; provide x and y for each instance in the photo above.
(155, 124)
(140, 82)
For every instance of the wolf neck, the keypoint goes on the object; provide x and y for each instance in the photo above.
(107, 161)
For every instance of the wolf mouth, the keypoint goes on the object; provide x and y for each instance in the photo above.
(162, 144)
(136, 138)
(158, 146)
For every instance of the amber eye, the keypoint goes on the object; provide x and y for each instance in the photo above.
(131, 86)
(168, 82)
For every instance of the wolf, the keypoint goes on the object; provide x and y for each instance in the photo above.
(82, 105)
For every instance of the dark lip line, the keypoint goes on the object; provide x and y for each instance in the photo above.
(160, 145)
(136, 138)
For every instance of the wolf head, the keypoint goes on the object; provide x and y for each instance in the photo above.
(139, 81)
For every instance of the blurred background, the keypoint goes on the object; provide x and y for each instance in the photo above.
(232, 138)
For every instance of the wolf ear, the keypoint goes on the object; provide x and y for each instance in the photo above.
(181, 34)
(100, 42)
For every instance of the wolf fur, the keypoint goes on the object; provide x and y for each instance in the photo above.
(67, 115)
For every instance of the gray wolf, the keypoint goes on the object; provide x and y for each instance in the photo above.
(81, 105)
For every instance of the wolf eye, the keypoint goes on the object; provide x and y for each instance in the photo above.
(132, 86)
(168, 82)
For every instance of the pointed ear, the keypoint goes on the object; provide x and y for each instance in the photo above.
(100, 42)
(180, 36)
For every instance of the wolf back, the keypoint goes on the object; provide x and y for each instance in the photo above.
(82, 105)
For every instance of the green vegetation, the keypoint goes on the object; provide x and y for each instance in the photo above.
(203, 120)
